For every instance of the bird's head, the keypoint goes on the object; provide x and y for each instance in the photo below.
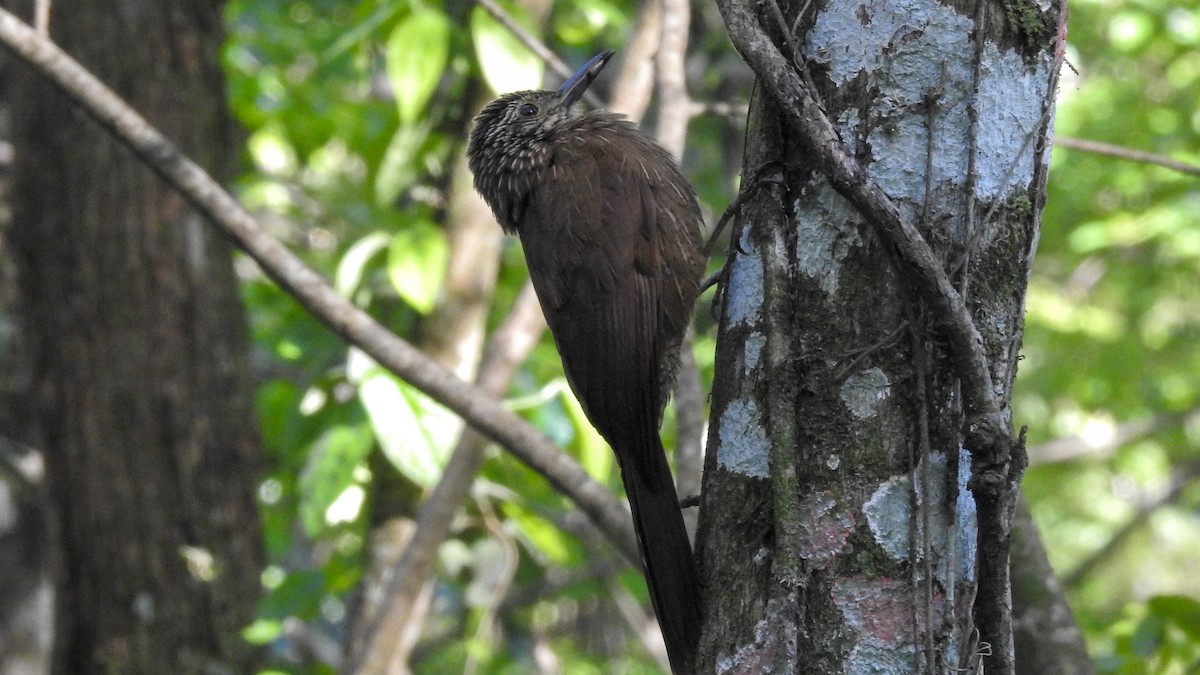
(511, 133)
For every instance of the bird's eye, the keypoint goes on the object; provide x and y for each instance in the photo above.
(527, 110)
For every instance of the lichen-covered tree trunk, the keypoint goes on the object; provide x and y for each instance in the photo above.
(840, 525)
(143, 397)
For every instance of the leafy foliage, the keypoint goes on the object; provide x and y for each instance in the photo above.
(356, 111)
(1113, 320)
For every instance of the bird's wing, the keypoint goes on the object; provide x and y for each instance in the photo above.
(591, 240)
(593, 236)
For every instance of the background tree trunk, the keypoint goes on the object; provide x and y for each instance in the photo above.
(839, 429)
(1045, 635)
(142, 394)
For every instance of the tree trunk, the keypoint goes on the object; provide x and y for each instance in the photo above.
(847, 523)
(143, 398)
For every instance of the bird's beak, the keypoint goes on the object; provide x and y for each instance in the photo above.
(578, 83)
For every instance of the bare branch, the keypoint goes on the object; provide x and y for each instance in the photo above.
(674, 107)
(639, 622)
(21, 464)
(1075, 447)
(635, 81)
(309, 287)
(674, 113)
(41, 17)
(1045, 635)
(735, 110)
(1128, 154)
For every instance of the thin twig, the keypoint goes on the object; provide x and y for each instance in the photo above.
(534, 45)
(921, 363)
(734, 110)
(502, 583)
(749, 191)
(925, 500)
(525, 37)
(1076, 447)
(797, 54)
(970, 226)
(1129, 154)
(41, 17)
(785, 32)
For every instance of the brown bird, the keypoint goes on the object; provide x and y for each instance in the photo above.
(611, 232)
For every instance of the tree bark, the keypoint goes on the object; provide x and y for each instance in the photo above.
(854, 517)
(143, 396)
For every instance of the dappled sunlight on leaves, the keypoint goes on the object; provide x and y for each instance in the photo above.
(1112, 330)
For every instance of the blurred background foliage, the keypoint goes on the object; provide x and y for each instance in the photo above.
(1110, 384)
(355, 112)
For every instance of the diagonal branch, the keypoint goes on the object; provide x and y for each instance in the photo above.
(987, 431)
(1181, 480)
(310, 288)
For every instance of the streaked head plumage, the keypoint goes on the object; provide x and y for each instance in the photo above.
(511, 132)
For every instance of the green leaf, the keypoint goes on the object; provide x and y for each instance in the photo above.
(262, 631)
(416, 264)
(330, 471)
(1181, 610)
(582, 22)
(417, 52)
(415, 432)
(1147, 638)
(507, 64)
(350, 267)
(399, 167)
(275, 402)
(298, 595)
(540, 533)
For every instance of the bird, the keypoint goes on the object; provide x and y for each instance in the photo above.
(610, 228)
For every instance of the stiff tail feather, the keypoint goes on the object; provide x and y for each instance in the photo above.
(669, 566)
